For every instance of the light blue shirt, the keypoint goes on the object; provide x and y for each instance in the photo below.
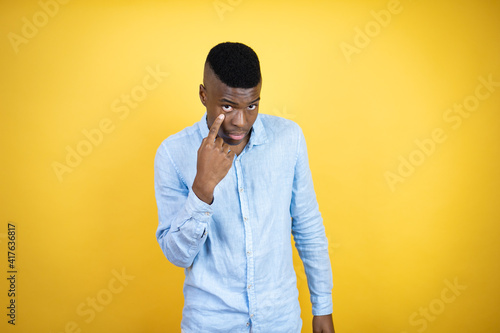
(237, 252)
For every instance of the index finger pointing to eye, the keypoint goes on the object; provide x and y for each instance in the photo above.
(215, 127)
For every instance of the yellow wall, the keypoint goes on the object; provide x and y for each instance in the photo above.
(402, 129)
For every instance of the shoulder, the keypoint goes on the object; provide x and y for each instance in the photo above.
(279, 127)
(181, 144)
(182, 138)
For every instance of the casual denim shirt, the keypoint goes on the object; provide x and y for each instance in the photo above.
(237, 251)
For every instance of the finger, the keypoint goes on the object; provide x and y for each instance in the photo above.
(215, 127)
(226, 148)
(219, 142)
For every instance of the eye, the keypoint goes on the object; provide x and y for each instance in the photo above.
(252, 107)
(227, 108)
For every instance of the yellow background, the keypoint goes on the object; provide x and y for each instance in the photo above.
(395, 245)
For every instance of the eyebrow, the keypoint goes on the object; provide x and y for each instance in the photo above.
(234, 103)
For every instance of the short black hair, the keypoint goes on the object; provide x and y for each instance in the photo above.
(235, 64)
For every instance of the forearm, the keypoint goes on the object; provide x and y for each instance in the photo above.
(312, 245)
(181, 235)
(317, 267)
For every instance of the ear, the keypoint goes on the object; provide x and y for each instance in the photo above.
(203, 95)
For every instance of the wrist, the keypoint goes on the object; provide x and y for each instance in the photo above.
(204, 191)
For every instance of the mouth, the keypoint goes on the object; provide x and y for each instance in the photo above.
(236, 136)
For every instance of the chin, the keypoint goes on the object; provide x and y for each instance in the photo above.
(232, 142)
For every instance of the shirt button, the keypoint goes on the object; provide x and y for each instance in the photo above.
(241, 189)
(207, 213)
(251, 316)
(248, 324)
(249, 286)
(249, 252)
(245, 218)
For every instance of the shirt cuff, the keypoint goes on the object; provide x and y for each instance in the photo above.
(322, 305)
(194, 218)
(199, 210)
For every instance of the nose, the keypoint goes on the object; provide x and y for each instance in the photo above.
(239, 119)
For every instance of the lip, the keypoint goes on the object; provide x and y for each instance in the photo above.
(236, 136)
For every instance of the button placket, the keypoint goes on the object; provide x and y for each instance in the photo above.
(248, 235)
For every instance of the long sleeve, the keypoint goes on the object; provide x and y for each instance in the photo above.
(238, 251)
(309, 235)
(183, 217)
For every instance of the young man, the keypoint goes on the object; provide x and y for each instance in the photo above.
(230, 190)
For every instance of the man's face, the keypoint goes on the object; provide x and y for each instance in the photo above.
(240, 107)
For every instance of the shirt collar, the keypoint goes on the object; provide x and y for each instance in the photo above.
(258, 136)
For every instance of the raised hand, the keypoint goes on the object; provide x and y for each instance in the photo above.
(214, 161)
